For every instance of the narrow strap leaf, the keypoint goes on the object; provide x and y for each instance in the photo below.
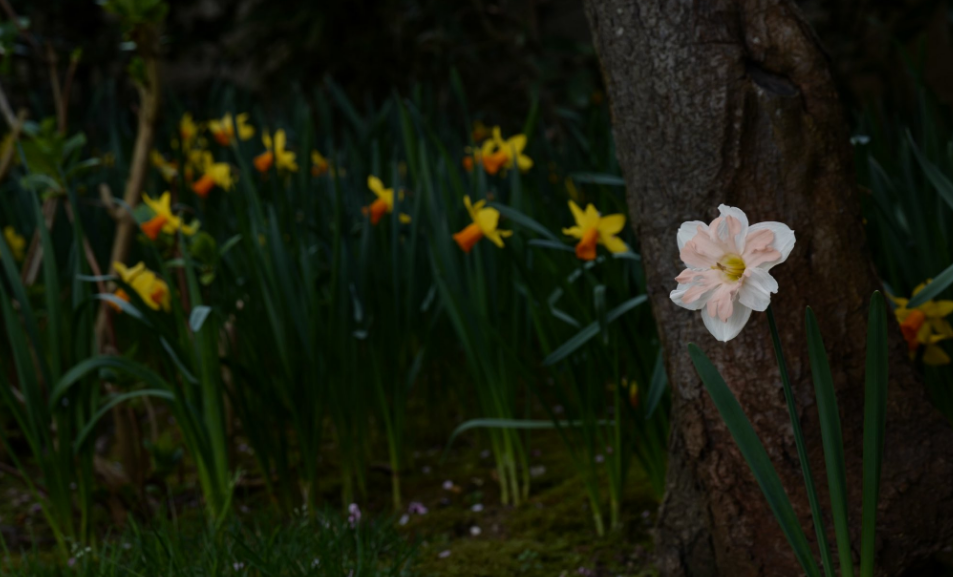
(753, 452)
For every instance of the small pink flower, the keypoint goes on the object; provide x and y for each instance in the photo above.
(354, 516)
(728, 263)
(417, 508)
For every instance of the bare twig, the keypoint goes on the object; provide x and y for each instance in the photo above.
(6, 110)
(52, 63)
(34, 254)
(7, 161)
(149, 93)
(70, 74)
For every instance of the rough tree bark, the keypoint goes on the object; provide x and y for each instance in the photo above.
(732, 101)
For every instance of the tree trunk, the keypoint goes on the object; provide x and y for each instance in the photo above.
(732, 101)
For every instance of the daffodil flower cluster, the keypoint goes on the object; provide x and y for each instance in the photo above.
(497, 153)
(153, 291)
(925, 326)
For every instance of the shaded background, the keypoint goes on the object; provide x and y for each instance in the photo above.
(503, 50)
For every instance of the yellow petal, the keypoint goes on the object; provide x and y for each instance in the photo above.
(574, 231)
(900, 302)
(934, 355)
(488, 218)
(612, 224)
(516, 144)
(577, 212)
(524, 162)
(941, 308)
(404, 218)
(375, 184)
(614, 244)
(942, 327)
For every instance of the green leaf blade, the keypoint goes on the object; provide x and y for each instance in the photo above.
(757, 458)
(832, 439)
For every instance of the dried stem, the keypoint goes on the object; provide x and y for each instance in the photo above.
(149, 92)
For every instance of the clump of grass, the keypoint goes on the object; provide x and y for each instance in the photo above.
(326, 544)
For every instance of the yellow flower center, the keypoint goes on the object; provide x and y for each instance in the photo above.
(732, 265)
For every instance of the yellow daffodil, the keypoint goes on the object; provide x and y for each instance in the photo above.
(485, 221)
(151, 289)
(188, 131)
(275, 154)
(384, 203)
(491, 156)
(224, 130)
(513, 148)
(592, 229)
(16, 242)
(925, 325)
(168, 169)
(164, 220)
(319, 164)
(496, 153)
(213, 174)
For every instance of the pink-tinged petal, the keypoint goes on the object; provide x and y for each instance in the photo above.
(757, 288)
(783, 241)
(701, 251)
(688, 230)
(735, 223)
(678, 297)
(759, 248)
(721, 303)
(695, 287)
(724, 331)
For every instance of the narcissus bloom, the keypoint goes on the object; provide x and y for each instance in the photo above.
(188, 131)
(728, 263)
(151, 289)
(925, 326)
(592, 229)
(384, 203)
(224, 130)
(485, 221)
(319, 164)
(168, 169)
(284, 160)
(213, 174)
(497, 154)
(164, 220)
(15, 241)
(513, 147)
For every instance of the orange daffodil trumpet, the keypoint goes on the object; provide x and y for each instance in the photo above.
(485, 221)
(213, 174)
(728, 268)
(223, 131)
(275, 154)
(384, 204)
(164, 220)
(151, 289)
(592, 229)
(926, 326)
